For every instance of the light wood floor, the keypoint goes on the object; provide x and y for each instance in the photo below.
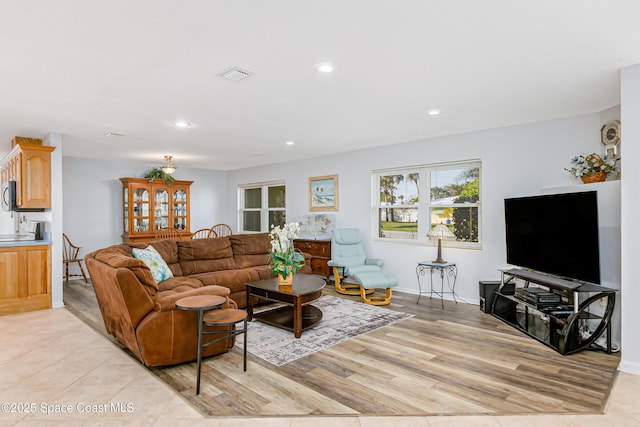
(456, 361)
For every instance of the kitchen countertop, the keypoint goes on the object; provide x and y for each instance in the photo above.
(9, 244)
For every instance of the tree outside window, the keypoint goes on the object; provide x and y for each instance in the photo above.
(455, 199)
(398, 212)
(450, 195)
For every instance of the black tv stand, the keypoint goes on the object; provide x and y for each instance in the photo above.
(575, 323)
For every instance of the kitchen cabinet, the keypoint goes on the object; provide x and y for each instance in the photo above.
(30, 166)
(25, 278)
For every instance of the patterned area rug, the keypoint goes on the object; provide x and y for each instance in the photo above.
(342, 319)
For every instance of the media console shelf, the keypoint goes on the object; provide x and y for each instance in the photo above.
(580, 317)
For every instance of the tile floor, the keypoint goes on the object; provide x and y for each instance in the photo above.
(56, 370)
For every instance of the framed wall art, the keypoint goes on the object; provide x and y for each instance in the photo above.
(610, 151)
(323, 193)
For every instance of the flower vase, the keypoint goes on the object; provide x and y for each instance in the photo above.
(288, 281)
(594, 177)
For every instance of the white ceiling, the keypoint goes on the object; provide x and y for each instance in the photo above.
(86, 68)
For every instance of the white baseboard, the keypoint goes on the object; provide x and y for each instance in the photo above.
(629, 367)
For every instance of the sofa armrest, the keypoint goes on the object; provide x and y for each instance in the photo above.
(373, 261)
(134, 295)
(231, 303)
(336, 262)
(166, 301)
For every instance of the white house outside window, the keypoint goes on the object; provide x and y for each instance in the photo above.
(261, 206)
(410, 201)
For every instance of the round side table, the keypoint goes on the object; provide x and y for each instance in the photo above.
(200, 303)
(227, 317)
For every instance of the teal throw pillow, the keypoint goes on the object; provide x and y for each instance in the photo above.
(152, 258)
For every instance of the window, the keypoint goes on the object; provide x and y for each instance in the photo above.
(411, 201)
(261, 206)
(398, 208)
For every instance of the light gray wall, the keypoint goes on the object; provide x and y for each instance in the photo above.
(516, 161)
(92, 197)
(630, 134)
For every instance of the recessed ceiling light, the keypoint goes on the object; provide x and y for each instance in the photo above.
(434, 112)
(113, 134)
(289, 142)
(325, 68)
(182, 124)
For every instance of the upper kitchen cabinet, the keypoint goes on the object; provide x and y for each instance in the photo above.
(29, 165)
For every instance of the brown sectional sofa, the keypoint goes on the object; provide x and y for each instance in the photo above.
(142, 315)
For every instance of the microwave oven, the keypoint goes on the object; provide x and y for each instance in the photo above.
(9, 199)
(8, 195)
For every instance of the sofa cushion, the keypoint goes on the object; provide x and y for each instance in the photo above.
(152, 258)
(168, 249)
(166, 300)
(205, 255)
(251, 250)
(119, 256)
(179, 284)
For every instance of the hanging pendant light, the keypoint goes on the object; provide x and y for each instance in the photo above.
(169, 168)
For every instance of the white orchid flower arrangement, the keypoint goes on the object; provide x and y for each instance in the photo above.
(285, 258)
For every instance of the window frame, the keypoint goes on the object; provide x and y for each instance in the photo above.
(264, 208)
(424, 209)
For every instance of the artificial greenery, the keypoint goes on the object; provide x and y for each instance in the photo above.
(586, 164)
(154, 173)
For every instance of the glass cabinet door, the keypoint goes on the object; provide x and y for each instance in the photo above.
(141, 210)
(161, 209)
(180, 210)
(125, 202)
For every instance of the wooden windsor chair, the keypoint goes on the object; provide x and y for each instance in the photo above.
(168, 233)
(69, 256)
(222, 230)
(204, 233)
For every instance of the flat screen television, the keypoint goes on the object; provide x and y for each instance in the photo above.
(555, 234)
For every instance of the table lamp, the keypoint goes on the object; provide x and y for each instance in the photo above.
(440, 232)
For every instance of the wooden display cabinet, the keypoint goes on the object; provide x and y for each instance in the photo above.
(149, 206)
(320, 251)
(30, 166)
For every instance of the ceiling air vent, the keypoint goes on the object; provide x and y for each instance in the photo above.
(235, 74)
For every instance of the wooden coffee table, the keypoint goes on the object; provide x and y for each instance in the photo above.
(298, 314)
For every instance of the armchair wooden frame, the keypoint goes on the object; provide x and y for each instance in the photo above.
(348, 285)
